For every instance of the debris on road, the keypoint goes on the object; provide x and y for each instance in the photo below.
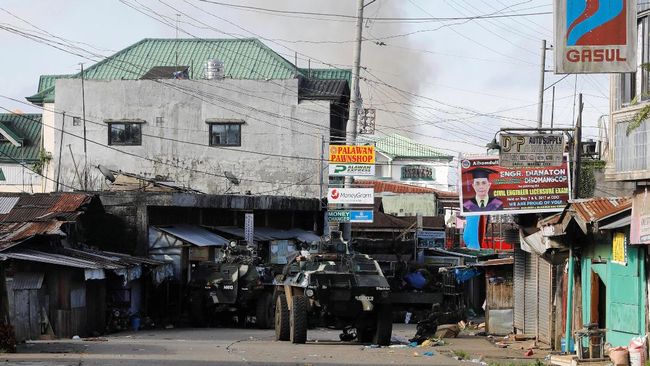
(447, 331)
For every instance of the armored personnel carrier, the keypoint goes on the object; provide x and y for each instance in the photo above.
(337, 289)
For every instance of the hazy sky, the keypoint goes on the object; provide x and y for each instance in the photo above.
(452, 84)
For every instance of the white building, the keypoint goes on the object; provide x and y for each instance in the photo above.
(401, 159)
(252, 122)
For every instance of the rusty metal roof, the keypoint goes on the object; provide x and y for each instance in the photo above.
(596, 209)
(394, 187)
(496, 262)
(45, 206)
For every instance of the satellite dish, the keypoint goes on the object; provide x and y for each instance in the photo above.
(231, 177)
(107, 173)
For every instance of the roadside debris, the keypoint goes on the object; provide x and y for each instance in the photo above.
(447, 331)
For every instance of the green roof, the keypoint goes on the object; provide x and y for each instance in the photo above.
(28, 128)
(242, 58)
(328, 74)
(398, 146)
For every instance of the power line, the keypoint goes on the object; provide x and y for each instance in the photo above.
(378, 19)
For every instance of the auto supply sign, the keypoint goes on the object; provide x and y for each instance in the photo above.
(520, 150)
(352, 154)
(349, 170)
(595, 36)
(351, 195)
(490, 189)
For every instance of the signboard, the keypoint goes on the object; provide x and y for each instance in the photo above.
(431, 239)
(619, 248)
(249, 228)
(594, 36)
(522, 150)
(640, 225)
(348, 170)
(338, 216)
(199, 254)
(489, 189)
(352, 154)
(418, 172)
(362, 216)
(351, 195)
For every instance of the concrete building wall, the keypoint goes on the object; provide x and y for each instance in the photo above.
(445, 174)
(50, 135)
(19, 179)
(280, 138)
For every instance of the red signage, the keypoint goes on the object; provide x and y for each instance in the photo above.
(489, 189)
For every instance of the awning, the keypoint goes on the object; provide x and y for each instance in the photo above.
(625, 221)
(195, 235)
(268, 234)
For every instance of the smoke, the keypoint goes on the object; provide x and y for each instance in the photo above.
(330, 43)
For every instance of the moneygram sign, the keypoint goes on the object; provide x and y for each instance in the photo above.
(490, 189)
(351, 195)
(349, 170)
(352, 154)
(595, 36)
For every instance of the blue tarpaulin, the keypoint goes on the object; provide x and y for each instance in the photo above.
(470, 234)
(465, 274)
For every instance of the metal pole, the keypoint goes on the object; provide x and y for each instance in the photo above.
(552, 105)
(351, 127)
(568, 338)
(540, 107)
(321, 175)
(576, 150)
(83, 112)
(58, 173)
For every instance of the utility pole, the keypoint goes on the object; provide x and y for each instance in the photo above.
(577, 152)
(83, 113)
(540, 107)
(351, 127)
(552, 106)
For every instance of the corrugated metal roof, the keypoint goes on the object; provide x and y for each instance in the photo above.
(398, 146)
(13, 233)
(243, 58)
(328, 74)
(195, 235)
(28, 281)
(395, 187)
(45, 206)
(496, 262)
(28, 127)
(323, 89)
(267, 233)
(596, 209)
(7, 204)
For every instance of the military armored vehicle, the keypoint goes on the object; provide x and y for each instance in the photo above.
(237, 284)
(337, 289)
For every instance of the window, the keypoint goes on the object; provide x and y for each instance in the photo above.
(225, 134)
(124, 134)
(159, 121)
(76, 121)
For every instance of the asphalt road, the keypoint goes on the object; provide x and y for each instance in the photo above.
(212, 346)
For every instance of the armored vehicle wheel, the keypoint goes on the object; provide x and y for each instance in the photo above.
(264, 311)
(281, 319)
(384, 329)
(298, 319)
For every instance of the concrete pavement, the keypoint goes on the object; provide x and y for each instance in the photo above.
(210, 346)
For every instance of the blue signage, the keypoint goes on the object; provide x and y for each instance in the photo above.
(361, 216)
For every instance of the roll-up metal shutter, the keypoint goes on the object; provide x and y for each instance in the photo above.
(545, 278)
(531, 309)
(519, 286)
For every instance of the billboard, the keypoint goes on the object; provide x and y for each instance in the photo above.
(640, 225)
(351, 195)
(536, 149)
(349, 170)
(352, 154)
(595, 36)
(490, 189)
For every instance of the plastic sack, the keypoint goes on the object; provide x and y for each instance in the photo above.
(619, 356)
(637, 350)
